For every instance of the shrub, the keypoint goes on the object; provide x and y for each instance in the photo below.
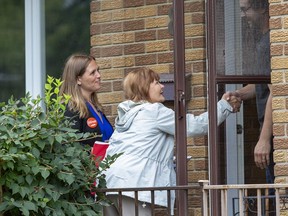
(43, 168)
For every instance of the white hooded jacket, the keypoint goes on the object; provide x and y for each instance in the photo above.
(144, 133)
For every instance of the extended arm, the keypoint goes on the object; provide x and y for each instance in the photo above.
(247, 92)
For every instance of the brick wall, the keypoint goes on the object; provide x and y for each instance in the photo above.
(129, 34)
(279, 79)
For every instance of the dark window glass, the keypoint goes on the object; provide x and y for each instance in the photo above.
(242, 38)
(67, 32)
(12, 46)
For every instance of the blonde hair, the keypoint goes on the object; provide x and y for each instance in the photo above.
(137, 83)
(75, 67)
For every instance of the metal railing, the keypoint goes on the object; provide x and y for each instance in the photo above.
(154, 208)
(251, 199)
(245, 199)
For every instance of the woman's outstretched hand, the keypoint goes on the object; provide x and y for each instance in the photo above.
(233, 98)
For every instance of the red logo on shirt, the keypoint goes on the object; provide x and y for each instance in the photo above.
(92, 123)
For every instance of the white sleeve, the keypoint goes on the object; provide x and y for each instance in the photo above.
(198, 125)
(195, 125)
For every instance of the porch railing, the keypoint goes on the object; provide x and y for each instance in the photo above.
(250, 199)
(155, 210)
(236, 200)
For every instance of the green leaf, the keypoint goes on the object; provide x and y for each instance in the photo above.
(45, 173)
(29, 205)
(29, 179)
(36, 152)
(35, 170)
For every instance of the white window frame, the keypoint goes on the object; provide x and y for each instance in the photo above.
(35, 63)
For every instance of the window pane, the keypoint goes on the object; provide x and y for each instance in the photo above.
(67, 32)
(242, 37)
(12, 46)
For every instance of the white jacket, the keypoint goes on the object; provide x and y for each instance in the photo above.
(144, 132)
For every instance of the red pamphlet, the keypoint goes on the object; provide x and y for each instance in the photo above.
(99, 151)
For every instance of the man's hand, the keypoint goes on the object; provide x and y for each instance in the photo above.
(262, 153)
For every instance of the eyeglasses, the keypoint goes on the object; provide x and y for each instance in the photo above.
(245, 9)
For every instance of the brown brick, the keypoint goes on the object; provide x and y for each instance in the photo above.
(106, 87)
(280, 116)
(94, 6)
(111, 4)
(199, 42)
(279, 36)
(107, 110)
(199, 67)
(197, 103)
(165, 57)
(96, 52)
(147, 11)
(123, 37)
(194, 6)
(104, 63)
(188, 67)
(200, 141)
(123, 14)
(199, 91)
(112, 97)
(163, 9)
(196, 30)
(188, 43)
(145, 59)
(133, 25)
(197, 175)
(278, 129)
(280, 90)
(201, 164)
(278, 9)
(277, 77)
(156, 46)
(99, 40)
(160, 68)
(111, 51)
(95, 29)
(100, 17)
(134, 49)
(286, 49)
(156, 22)
(163, 34)
(118, 85)
(198, 18)
(111, 27)
(280, 143)
(277, 50)
(134, 3)
(193, 55)
(281, 169)
(145, 35)
(285, 22)
(275, 23)
(278, 103)
(123, 61)
(280, 156)
(112, 74)
(187, 19)
(279, 63)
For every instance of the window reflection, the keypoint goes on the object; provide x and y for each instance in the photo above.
(12, 46)
(67, 27)
(67, 31)
(242, 38)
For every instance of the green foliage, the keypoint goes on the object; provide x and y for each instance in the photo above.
(44, 169)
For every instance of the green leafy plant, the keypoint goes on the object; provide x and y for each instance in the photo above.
(44, 170)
